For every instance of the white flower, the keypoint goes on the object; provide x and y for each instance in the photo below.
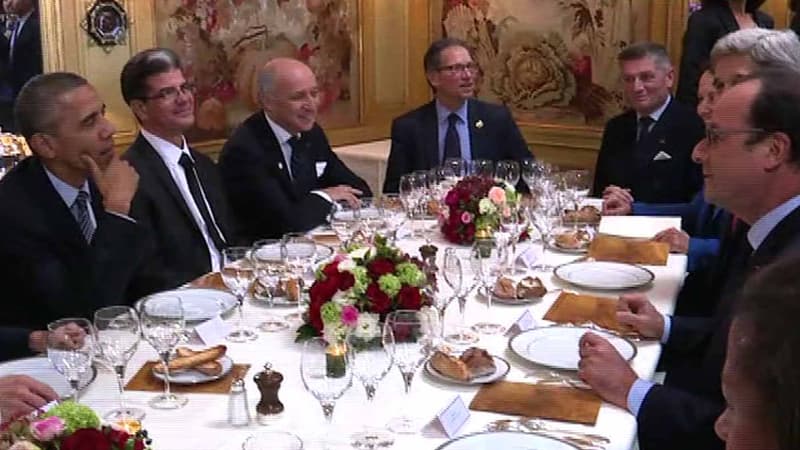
(367, 326)
(359, 253)
(24, 445)
(346, 265)
(485, 206)
(343, 298)
(334, 332)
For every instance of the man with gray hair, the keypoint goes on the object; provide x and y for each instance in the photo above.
(647, 149)
(740, 53)
(180, 194)
(278, 168)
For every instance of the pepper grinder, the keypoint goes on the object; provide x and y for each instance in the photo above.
(268, 382)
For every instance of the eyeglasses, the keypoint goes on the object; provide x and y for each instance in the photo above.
(171, 93)
(452, 69)
(715, 134)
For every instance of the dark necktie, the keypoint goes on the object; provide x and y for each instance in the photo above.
(199, 200)
(452, 143)
(644, 128)
(12, 42)
(80, 210)
(299, 164)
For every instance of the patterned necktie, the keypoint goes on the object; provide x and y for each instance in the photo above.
(644, 128)
(452, 143)
(199, 200)
(80, 210)
(299, 165)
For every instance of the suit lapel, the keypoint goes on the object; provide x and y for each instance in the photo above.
(212, 192)
(55, 212)
(272, 148)
(480, 148)
(430, 135)
(656, 139)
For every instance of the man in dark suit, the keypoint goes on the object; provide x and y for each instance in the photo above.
(20, 55)
(278, 168)
(647, 149)
(454, 124)
(180, 197)
(68, 242)
(750, 160)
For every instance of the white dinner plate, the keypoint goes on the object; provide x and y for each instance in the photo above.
(272, 252)
(501, 370)
(192, 376)
(604, 275)
(506, 440)
(557, 346)
(198, 304)
(41, 369)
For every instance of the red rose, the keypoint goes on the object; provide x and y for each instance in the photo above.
(331, 270)
(409, 298)
(381, 303)
(314, 314)
(323, 290)
(346, 281)
(86, 439)
(118, 437)
(380, 266)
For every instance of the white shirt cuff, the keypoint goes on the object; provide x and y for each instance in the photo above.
(636, 395)
(122, 216)
(667, 328)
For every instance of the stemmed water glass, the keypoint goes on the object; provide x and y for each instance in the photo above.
(163, 325)
(408, 344)
(238, 275)
(394, 213)
(483, 168)
(457, 167)
(299, 252)
(485, 258)
(545, 217)
(268, 263)
(507, 171)
(70, 348)
(370, 361)
(344, 221)
(326, 373)
(117, 334)
(456, 279)
(577, 185)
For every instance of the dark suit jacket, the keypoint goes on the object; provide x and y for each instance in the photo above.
(628, 164)
(705, 27)
(50, 271)
(181, 253)
(681, 413)
(265, 200)
(27, 54)
(415, 139)
(13, 343)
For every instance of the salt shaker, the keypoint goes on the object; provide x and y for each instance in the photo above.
(238, 409)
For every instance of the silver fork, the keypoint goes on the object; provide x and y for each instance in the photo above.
(535, 423)
(517, 425)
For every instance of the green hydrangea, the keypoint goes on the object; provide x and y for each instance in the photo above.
(331, 312)
(485, 206)
(409, 273)
(362, 280)
(389, 284)
(75, 416)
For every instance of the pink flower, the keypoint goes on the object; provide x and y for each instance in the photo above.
(497, 195)
(47, 429)
(506, 212)
(466, 217)
(350, 315)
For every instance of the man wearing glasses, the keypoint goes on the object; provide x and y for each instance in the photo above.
(454, 124)
(180, 196)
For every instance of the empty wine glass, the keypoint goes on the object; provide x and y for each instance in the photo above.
(410, 347)
(457, 166)
(545, 217)
(515, 223)
(344, 222)
(485, 258)
(456, 278)
(299, 255)
(577, 184)
(326, 374)
(507, 171)
(370, 361)
(117, 334)
(395, 214)
(70, 348)
(238, 275)
(163, 324)
(483, 168)
(268, 263)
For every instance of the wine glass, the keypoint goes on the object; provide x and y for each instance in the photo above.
(163, 326)
(410, 347)
(545, 217)
(485, 258)
(238, 275)
(515, 223)
(372, 215)
(483, 168)
(70, 348)
(370, 361)
(455, 277)
(268, 263)
(117, 334)
(507, 171)
(344, 222)
(326, 373)
(395, 214)
(577, 184)
(458, 167)
(299, 254)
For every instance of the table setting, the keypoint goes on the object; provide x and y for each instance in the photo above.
(390, 329)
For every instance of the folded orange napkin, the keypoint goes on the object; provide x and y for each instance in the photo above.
(628, 250)
(563, 403)
(145, 381)
(578, 308)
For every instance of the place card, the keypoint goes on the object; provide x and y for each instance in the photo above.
(213, 331)
(523, 323)
(529, 256)
(450, 419)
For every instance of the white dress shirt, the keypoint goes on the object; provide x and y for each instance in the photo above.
(171, 154)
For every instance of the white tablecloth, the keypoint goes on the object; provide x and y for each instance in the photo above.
(202, 423)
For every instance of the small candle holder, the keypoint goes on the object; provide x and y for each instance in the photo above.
(335, 360)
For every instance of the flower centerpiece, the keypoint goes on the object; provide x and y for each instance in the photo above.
(353, 292)
(474, 206)
(69, 426)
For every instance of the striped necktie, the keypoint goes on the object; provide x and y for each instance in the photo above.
(80, 209)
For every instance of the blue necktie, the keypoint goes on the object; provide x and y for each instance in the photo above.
(80, 210)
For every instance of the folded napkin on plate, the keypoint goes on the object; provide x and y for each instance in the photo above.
(145, 381)
(628, 250)
(567, 404)
(578, 308)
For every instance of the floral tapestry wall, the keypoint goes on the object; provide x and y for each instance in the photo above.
(223, 43)
(550, 61)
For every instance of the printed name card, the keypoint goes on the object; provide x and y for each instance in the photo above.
(529, 257)
(453, 417)
(523, 323)
(213, 331)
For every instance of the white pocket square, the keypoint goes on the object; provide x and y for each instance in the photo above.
(662, 156)
(321, 168)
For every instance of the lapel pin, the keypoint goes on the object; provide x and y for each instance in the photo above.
(479, 124)
(280, 166)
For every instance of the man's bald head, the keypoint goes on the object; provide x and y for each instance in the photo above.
(289, 93)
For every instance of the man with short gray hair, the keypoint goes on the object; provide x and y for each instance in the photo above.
(278, 167)
(740, 53)
(647, 149)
